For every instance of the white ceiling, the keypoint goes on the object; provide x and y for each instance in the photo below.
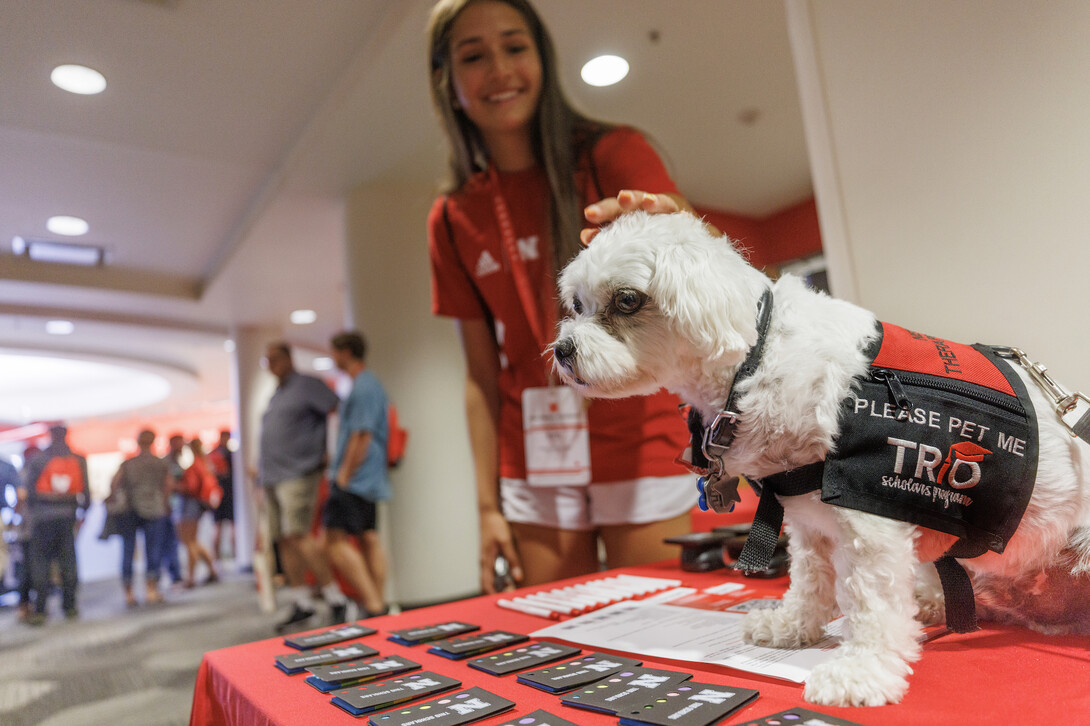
(213, 167)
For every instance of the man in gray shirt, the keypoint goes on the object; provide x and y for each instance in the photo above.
(292, 457)
(144, 482)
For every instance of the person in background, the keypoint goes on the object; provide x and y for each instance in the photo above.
(525, 165)
(291, 458)
(223, 467)
(22, 536)
(192, 485)
(55, 487)
(359, 478)
(171, 562)
(9, 487)
(145, 483)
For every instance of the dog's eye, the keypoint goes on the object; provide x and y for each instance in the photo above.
(577, 306)
(628, 301)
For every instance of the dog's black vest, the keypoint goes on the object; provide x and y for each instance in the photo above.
(939, 434)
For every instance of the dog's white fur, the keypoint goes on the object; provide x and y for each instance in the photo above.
(694, 327)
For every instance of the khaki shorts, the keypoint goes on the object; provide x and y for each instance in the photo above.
(290, 505)
(637, 501)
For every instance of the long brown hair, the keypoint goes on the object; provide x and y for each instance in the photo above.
(561, 134)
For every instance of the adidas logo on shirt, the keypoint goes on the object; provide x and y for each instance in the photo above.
(486, 264)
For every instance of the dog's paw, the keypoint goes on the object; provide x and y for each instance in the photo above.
(930, 602)
(780, 628)
(930, 610)
(867, 679)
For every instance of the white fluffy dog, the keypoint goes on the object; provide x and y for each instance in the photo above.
(657, 301)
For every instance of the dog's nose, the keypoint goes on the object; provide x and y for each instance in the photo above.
(564, 350)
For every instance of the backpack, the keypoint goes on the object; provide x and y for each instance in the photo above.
(396, 438)
(201, 484)
(61, 479)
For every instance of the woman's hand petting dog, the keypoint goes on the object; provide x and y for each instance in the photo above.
(606, 210)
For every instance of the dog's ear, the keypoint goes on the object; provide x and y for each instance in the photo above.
(708, 291)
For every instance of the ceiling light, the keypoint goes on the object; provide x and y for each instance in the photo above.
(67, 226)
(78, 79)
(42, 250)
(303, 317)
(18, 245)
(229, 346)
(324, 363)
(605, 70)
(60, 327)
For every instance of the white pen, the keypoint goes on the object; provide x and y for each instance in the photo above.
(528, 609)
(574, 595)
(605, 589)
(546, 602)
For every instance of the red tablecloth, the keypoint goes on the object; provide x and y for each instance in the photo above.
(1000, 675)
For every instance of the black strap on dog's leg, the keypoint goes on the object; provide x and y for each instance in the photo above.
(763, 535)
(957, 589)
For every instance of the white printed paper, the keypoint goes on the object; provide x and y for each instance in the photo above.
(690, 634)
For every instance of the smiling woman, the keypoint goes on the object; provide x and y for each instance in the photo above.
(40, 387)
(524, 165)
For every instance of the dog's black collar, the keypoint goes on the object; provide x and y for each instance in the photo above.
(718, 436)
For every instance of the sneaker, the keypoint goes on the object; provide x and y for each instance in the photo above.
(297, 615)
(338, 613)
(36, 619)
(71, 613)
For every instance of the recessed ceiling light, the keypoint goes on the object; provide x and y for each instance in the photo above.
(67, 226)
(324, 363)
(303, 317)
(60, 327)
(605, 70)
(229, 346)
(42, 250)
(78, 79)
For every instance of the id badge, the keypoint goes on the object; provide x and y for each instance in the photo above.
(554, 421)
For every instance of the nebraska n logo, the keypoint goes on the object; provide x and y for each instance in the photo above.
(528, 248)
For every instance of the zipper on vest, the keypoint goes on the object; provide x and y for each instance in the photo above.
(895, 388)
(894, 381)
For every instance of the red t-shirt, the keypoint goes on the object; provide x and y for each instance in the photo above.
(472, 279)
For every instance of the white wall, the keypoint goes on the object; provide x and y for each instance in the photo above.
(431, 522)
(950, 144)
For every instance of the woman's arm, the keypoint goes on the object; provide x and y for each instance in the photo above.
(483, 415)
